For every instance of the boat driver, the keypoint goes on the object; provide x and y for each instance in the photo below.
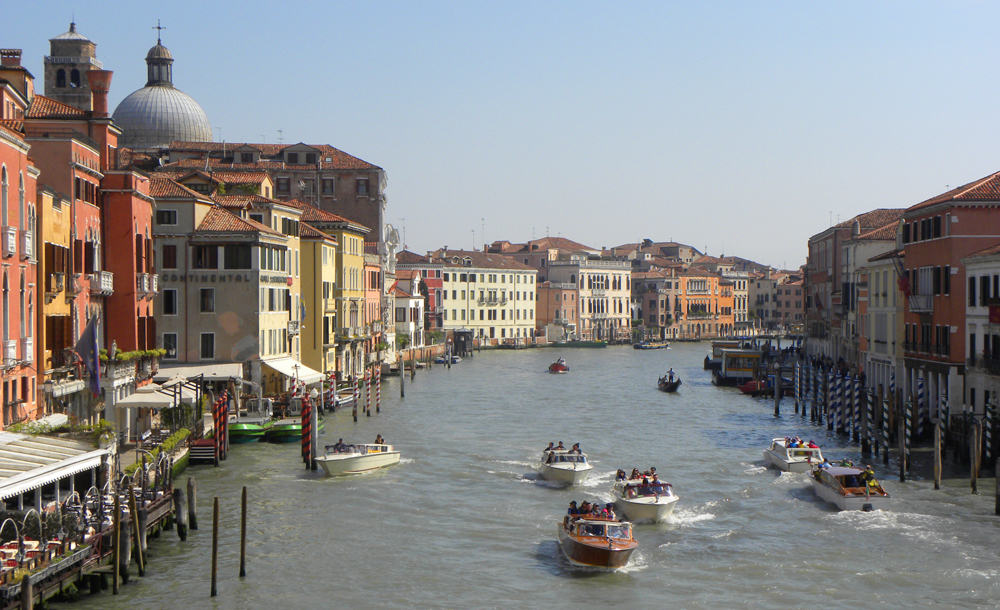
(340, 446)
(560, 446)
(576, 448)
(670, 374)
(550, 447)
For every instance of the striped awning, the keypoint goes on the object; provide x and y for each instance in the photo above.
(28, 462)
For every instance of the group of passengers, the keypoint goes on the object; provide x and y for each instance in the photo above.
(797, 443)
(341, 447)
(560, 447)
(591, 510)
(635, 475)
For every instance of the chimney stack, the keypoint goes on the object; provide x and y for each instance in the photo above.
(10, 57)
(100, 83)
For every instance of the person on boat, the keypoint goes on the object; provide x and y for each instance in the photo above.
(339, 446)
(584, 508)
(812, 445)
(826, 464)
(560, 446)
(573, 510)
(635, 474)
(670, 375)
(609, 508)
(551, 446)
(620, 476)
(846, 463)
(379, 440)
(868, 476)
(575, 448)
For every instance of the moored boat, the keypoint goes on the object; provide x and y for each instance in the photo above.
(848, 488)
(668, 385)
(651, 345)
(596, 542)
(251, 423)
(559, 366)
(564, 466)
(644, 500)
(288, 430)
(341, 459)
(792, 459)
(443, 359)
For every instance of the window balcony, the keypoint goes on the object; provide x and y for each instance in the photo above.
(56, 283)
(102, 282)
(921, 303)
(10, 351)
(154, 280)
(27, 245)
(27, 348)
(9, 241)
(293, 327)
(143, 284)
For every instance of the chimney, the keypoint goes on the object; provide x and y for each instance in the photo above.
(10, 57)
(100, 83)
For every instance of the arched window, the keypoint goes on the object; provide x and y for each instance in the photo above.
(20, 201)
(22, 312)
(6, 313)
(61, 78)
(74, 78)
(3, 196)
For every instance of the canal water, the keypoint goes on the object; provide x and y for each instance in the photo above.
(464, 522)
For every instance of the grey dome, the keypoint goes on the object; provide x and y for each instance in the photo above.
(157, 115)
(159, 52)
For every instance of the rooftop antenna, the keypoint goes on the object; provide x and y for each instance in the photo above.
(482, 233)
(473, 238)
(158, 29)
(831, 217)
(546, 230)
(281, 136)
(403, 222)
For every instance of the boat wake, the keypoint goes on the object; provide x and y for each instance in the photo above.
(599, 480)
(753, 468)
(690, 516)
(404, 460)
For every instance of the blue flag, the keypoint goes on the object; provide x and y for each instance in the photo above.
(90, 353)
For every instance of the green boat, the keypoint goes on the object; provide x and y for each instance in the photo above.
(287, 430)
(243, 430)
(581, 344)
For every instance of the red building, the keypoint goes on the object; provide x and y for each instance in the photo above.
(18, 231)
(936, 235)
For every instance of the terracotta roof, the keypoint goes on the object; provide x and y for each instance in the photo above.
(307, 230)
(874, 219)
(399, 292)
(984, 189)
(311, 213)
(47, 108)
(338, 158)
(407, 257)
(886, 255)
(14, 125)
(888, 232)
(231, 177)
(482, 260)
(162, 187)
(220, 220)
(242, 201)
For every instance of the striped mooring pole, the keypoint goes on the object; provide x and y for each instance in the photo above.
(798, 387)
(306, 430)
(833, 406)
(921, 406)
(869, 431)
(907, 433)
(369, 376)
(856, 409)
(378, 388)
(988, 416)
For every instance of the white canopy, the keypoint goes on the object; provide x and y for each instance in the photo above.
(29, 462)
(215, 371)
(292, 368)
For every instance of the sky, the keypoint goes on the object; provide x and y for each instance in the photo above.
(741, 128)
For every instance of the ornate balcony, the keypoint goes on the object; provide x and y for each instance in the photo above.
(27, 348)
(921, 303)
(56, 283)
(10, 351)
(9, 241)
(102, 282)
(143, 284)
(154, 280)
(27, 244)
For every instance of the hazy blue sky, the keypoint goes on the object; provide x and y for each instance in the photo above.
(741, 127)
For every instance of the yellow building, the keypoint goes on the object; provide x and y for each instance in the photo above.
(349, 289)
(491, 294)
(319, 280)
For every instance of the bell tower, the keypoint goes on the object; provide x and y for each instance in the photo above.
(71, 56)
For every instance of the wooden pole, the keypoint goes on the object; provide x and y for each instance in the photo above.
(116, 539)
(901, 441)
(937, 455)
(192, 497)
(215, 546)
(996, 475)
(180, 514)
(972, 456)
(777, 391)
(27, 593)
(243, 533)
(135, 534)
(402, 376)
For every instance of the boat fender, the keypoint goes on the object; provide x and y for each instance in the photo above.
(867, 508)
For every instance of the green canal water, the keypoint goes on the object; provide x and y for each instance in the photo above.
(463, 521)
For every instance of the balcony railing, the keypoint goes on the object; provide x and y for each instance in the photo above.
(154, 280)
(9, 241)
(293, 327)
(56, 282)
(74, 285)
(27, 348)
(922, 303)
(10, 351)
(489, 302)
(27, 244)
(102, 282)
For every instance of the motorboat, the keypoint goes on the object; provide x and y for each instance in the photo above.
(341, 459)
(564, 466)
(736, 366)
(284, 430)
(559, 366)
(644, 500)
(250, 424)
(848, 489)
(596, 542)
(668, 385)
(443, 359)
(651, 345)
(792, 459)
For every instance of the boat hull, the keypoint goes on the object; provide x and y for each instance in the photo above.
(568, 476)
(592, 555)
(782, 463)
(852, 502)
(245, 433)
(357, 464)
(646, 509)
(288, 431)
(668, 386)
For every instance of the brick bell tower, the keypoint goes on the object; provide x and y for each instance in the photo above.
(71, 56)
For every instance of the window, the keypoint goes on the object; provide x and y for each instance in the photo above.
(206, 300)
(170, 344)
(257, 218)
(361, 186)
(281, 185)
(207, 346)
(310, 157)
(236, 256)
(205, 257)
(169, 302)
(61, 78)
(327, 186)
(168, 259)
(292, 157)
(246, 157)
(166, 217)
(972, 291)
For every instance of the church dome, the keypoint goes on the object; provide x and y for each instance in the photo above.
(159, 113)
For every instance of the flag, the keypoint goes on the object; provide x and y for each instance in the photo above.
(302, 313)
(90, 354)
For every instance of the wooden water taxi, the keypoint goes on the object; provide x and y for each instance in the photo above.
(596, 542)
(250, 424)
(848, 488)
(651, 345)
(736, 367)
(792, 459)
(342, 459)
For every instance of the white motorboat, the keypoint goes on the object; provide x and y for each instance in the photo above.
(848, 489)
(564, 466)
(644, 500)
(343, 459)
(792, 459)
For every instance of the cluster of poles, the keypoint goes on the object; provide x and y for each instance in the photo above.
(876, 420)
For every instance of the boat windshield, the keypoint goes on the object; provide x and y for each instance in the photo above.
(619, 531)
(804, 453)
(572, 458)
(592, 529)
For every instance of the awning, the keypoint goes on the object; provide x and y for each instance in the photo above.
(29, 462)
(212, 372)
(292, 368)
(146, 397)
